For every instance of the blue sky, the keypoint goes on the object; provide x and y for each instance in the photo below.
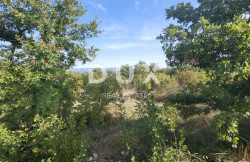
(130, 31)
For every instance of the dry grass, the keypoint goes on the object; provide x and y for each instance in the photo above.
(199, 121)
(129, 105)
(106, 141)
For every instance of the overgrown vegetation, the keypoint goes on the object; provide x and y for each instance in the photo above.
(199, 111)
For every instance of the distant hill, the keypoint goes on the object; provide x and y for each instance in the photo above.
(82, 70)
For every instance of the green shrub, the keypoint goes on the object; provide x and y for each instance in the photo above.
(162, 140)
(94, 99)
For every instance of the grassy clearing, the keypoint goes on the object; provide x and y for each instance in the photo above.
(200, 133)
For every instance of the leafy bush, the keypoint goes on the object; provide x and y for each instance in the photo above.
(10, 144)
(67, 145)
(162, 139)
(94, 98)
(34, 83)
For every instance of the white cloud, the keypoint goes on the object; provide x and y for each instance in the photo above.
(115, 31)
(102, 8)
(137, 3)
(146, 38)
(121, 46)
(113, 27)
(149, 32)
